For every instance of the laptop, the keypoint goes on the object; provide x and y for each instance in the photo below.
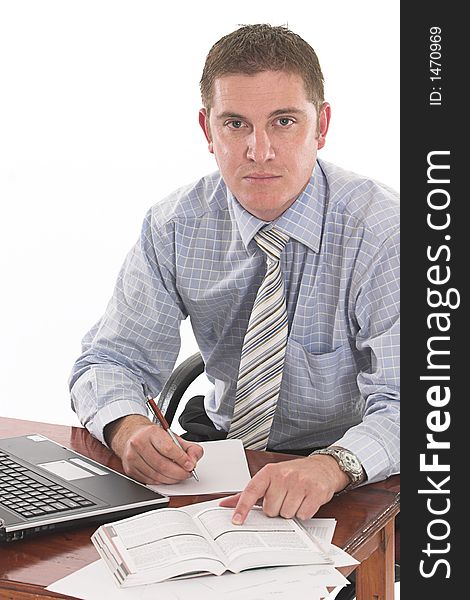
(46, 487)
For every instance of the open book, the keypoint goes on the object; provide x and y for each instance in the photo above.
(184, 542)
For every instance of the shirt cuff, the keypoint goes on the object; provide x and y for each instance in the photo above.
(374, 459)
(111, 412)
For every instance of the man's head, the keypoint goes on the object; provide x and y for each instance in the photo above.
(264, 115)
(256, 48)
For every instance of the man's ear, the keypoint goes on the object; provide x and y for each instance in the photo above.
(323, 124)
(204, 123)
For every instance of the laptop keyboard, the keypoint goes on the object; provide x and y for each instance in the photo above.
(32, 495)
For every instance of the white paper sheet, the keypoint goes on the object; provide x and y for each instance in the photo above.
(341, 558)
(322, 529)
(223, 468)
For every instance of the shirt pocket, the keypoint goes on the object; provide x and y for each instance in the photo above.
(321, 388)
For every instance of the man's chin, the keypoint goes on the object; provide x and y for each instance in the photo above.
(265, 208)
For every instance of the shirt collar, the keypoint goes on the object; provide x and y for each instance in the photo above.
(302, 221)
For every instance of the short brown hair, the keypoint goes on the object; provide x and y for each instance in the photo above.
(256, 48)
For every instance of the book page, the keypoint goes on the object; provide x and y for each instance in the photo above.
(262, 535)
(218, 521)
(157, 539)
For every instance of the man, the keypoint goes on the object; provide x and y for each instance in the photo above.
(288, 268)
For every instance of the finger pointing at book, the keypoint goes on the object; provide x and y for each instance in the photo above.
(295, 488)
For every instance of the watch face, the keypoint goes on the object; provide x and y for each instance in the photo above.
(348, 462)
(351, 463)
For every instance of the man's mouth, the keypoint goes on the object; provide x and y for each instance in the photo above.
(260, 177)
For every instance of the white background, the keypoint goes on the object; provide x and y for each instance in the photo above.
(98, 121)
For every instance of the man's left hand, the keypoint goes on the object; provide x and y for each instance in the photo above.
(294, 488)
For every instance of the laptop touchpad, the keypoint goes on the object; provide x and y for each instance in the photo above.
(66, 470)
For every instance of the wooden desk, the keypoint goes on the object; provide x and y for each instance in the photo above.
(365, 526)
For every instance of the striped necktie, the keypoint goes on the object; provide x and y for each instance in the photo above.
(263, 351)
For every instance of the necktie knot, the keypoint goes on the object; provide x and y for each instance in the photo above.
(272, 242)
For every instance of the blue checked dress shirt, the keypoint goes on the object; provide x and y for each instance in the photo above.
(196, 257)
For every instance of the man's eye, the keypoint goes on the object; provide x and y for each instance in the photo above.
(284, 121)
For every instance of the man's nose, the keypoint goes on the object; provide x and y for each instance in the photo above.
(259, 148)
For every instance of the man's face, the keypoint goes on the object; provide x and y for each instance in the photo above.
(263, 132)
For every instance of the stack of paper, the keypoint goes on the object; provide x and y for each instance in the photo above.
(95, 581)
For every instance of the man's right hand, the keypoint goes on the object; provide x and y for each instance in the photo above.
(148, 453)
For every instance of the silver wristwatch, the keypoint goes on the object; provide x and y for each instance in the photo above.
(348, 463)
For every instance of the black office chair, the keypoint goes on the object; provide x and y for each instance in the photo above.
(178, 383)
(172, 393)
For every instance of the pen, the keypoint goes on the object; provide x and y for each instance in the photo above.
(164, 423)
